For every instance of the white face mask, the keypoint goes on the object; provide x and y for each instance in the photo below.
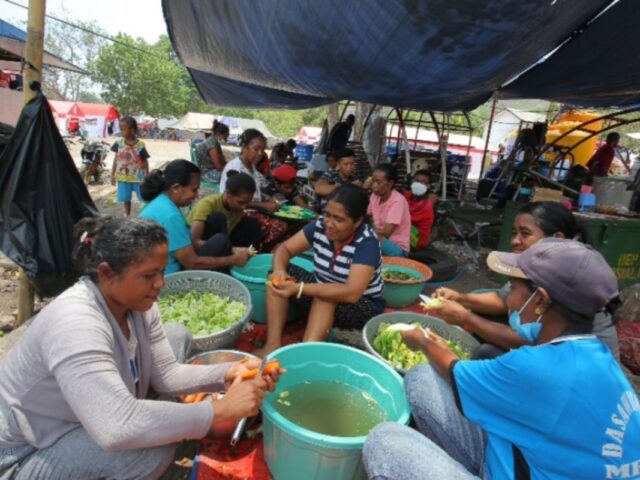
(419, 189)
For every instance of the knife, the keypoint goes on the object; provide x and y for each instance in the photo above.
(237, 433)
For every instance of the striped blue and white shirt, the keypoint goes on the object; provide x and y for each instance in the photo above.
(333, 267)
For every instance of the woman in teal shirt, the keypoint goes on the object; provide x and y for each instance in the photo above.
(166, 191)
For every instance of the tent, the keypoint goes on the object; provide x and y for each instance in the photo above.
(194, 121)
(95, 118)
(203, 122)
(239, 125)
(457, 143)
(145, 121)
(427, 55)
(59, 109)
(309, 135)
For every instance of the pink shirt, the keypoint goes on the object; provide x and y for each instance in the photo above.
(394, 211)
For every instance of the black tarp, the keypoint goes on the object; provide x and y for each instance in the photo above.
(599, 66)
(41, 197)
(427, 54)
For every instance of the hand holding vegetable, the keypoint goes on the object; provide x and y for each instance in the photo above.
(447, 294)
(451, 312)
(414, 339)
(285, 289)
(431, 336)
(271, 205)
(243, 399)
(240, 256)
(249, 368)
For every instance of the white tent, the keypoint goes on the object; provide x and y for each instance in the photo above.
(204, 121)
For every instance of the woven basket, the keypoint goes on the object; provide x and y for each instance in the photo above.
(218, 284)
(442, 328)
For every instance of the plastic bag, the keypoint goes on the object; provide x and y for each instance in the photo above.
(42, 196)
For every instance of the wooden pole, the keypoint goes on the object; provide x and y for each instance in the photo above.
(32, 72)
(486, 143)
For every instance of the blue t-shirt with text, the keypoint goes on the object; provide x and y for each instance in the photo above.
(563, 410)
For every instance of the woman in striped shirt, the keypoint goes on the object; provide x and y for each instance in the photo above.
(346, 286)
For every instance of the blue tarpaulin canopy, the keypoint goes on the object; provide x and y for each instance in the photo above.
(425, 54)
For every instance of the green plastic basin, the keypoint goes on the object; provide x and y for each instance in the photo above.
(254, 275)
(293, 452)
(399, 295)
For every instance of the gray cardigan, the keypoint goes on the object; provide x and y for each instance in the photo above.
(70, 368)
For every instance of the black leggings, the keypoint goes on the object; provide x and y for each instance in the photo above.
(347, 315)
(246, 233)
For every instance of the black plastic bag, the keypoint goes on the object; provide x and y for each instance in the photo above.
(42, 196)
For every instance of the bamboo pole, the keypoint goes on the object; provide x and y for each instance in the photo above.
(32, 72)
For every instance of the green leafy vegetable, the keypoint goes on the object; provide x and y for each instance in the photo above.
(201, 312)
(389, 344)
(394, 275)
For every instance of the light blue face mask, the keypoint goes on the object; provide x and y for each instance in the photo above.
(529, 331)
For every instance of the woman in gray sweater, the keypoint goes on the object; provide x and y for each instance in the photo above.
(74, 391)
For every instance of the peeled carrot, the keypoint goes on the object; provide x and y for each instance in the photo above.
(199, 397)
(272, 366)
(279, 281)
(189, 398)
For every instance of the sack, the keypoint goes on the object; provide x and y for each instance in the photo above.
(42, 196)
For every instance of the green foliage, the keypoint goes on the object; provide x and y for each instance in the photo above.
(135, 82)
(157, 84)
(77, 47)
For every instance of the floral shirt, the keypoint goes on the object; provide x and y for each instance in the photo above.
(130, 160)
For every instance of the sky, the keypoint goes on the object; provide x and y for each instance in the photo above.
(139, 18)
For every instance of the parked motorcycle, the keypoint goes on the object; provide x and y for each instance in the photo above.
(93, 161)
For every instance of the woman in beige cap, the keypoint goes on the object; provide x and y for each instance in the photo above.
(560, 408)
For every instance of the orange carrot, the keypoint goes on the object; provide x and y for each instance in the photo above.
(279, 282)
(272, 366)
(199, 397)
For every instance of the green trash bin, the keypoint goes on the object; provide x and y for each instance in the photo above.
(618, 240)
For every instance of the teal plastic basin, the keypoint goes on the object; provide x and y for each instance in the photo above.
(254, 275)
(293, 452)
(399, 295)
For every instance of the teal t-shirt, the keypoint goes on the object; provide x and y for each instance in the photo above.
(163, 211)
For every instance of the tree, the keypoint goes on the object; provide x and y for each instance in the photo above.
(138, 77)
(75, 46)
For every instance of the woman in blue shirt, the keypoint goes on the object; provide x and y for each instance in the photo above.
(169, 190)
(560, 408)
(346, 286)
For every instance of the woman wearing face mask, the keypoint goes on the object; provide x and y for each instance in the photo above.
(561, 408)
(169, 190)
(534, 222)
(346, 285)
(421, 203)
